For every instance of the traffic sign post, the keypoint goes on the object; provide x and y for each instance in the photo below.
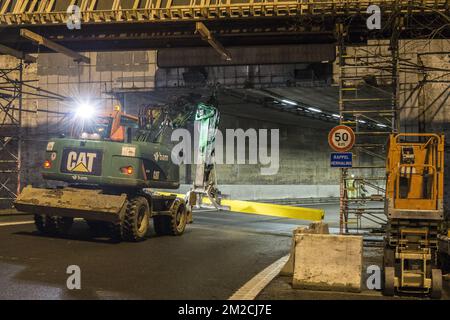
(341, 138)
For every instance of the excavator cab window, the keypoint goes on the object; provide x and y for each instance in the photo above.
(130, 127)
(98, 129)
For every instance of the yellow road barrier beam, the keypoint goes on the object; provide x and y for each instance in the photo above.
(268, 209)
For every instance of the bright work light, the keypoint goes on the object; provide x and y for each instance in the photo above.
(85, 110)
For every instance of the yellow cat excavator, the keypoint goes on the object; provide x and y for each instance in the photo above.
(415, 211)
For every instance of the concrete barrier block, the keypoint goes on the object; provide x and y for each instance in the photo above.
(318, 227)
(315, 227)
(328, 262)
(288, 268)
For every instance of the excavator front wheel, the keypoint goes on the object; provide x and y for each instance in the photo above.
(136, 221)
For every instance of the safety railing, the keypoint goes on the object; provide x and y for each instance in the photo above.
(429, 199)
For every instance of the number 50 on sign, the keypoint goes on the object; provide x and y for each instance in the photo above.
(341, 138)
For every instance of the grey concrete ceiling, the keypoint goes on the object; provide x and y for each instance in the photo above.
(256, 103)
(325, 98)
(266, 104)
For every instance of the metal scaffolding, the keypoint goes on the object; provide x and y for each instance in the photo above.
(13, 88)
(10, 132)
(368, 92)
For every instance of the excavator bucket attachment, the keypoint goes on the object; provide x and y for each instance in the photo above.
(71, 202)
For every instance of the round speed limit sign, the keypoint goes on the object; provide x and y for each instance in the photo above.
(341, 138)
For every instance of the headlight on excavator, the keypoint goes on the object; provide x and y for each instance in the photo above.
(127, 170)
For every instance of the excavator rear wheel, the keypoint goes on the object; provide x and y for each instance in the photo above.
(45, 224)
(63, 224)
(52, 225)
(136, 221)
(173, 224)
(178, 218)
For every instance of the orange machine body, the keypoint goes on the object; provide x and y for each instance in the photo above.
(415, 176)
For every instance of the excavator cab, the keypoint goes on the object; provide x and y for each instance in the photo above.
(115, 126)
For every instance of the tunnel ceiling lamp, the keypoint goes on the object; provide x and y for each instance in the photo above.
(292, 103)
(314, 109)
(361, 121)
(381, 125)
(336, 115)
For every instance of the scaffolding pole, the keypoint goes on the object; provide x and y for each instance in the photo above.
(10, 132)
(368, 92)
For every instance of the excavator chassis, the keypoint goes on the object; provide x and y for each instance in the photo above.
(119, 212)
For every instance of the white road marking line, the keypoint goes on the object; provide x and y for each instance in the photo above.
(5, 224)
(252, 288)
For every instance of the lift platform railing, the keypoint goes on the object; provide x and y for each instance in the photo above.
(427, 199)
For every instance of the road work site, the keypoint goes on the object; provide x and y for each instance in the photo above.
(245, 155)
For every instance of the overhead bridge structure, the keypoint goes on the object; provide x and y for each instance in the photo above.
(98, 11)
(172, 23)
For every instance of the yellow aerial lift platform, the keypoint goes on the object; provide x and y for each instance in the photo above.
(415, 211)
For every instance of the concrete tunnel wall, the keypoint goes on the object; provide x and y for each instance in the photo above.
(304, 165)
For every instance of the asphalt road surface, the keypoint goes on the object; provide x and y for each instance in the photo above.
(217, 254)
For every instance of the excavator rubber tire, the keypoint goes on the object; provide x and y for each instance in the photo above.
(137, 219)
(178, 218)
(52, 225)
(173, 224)
(45, 224)
(63, 225)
